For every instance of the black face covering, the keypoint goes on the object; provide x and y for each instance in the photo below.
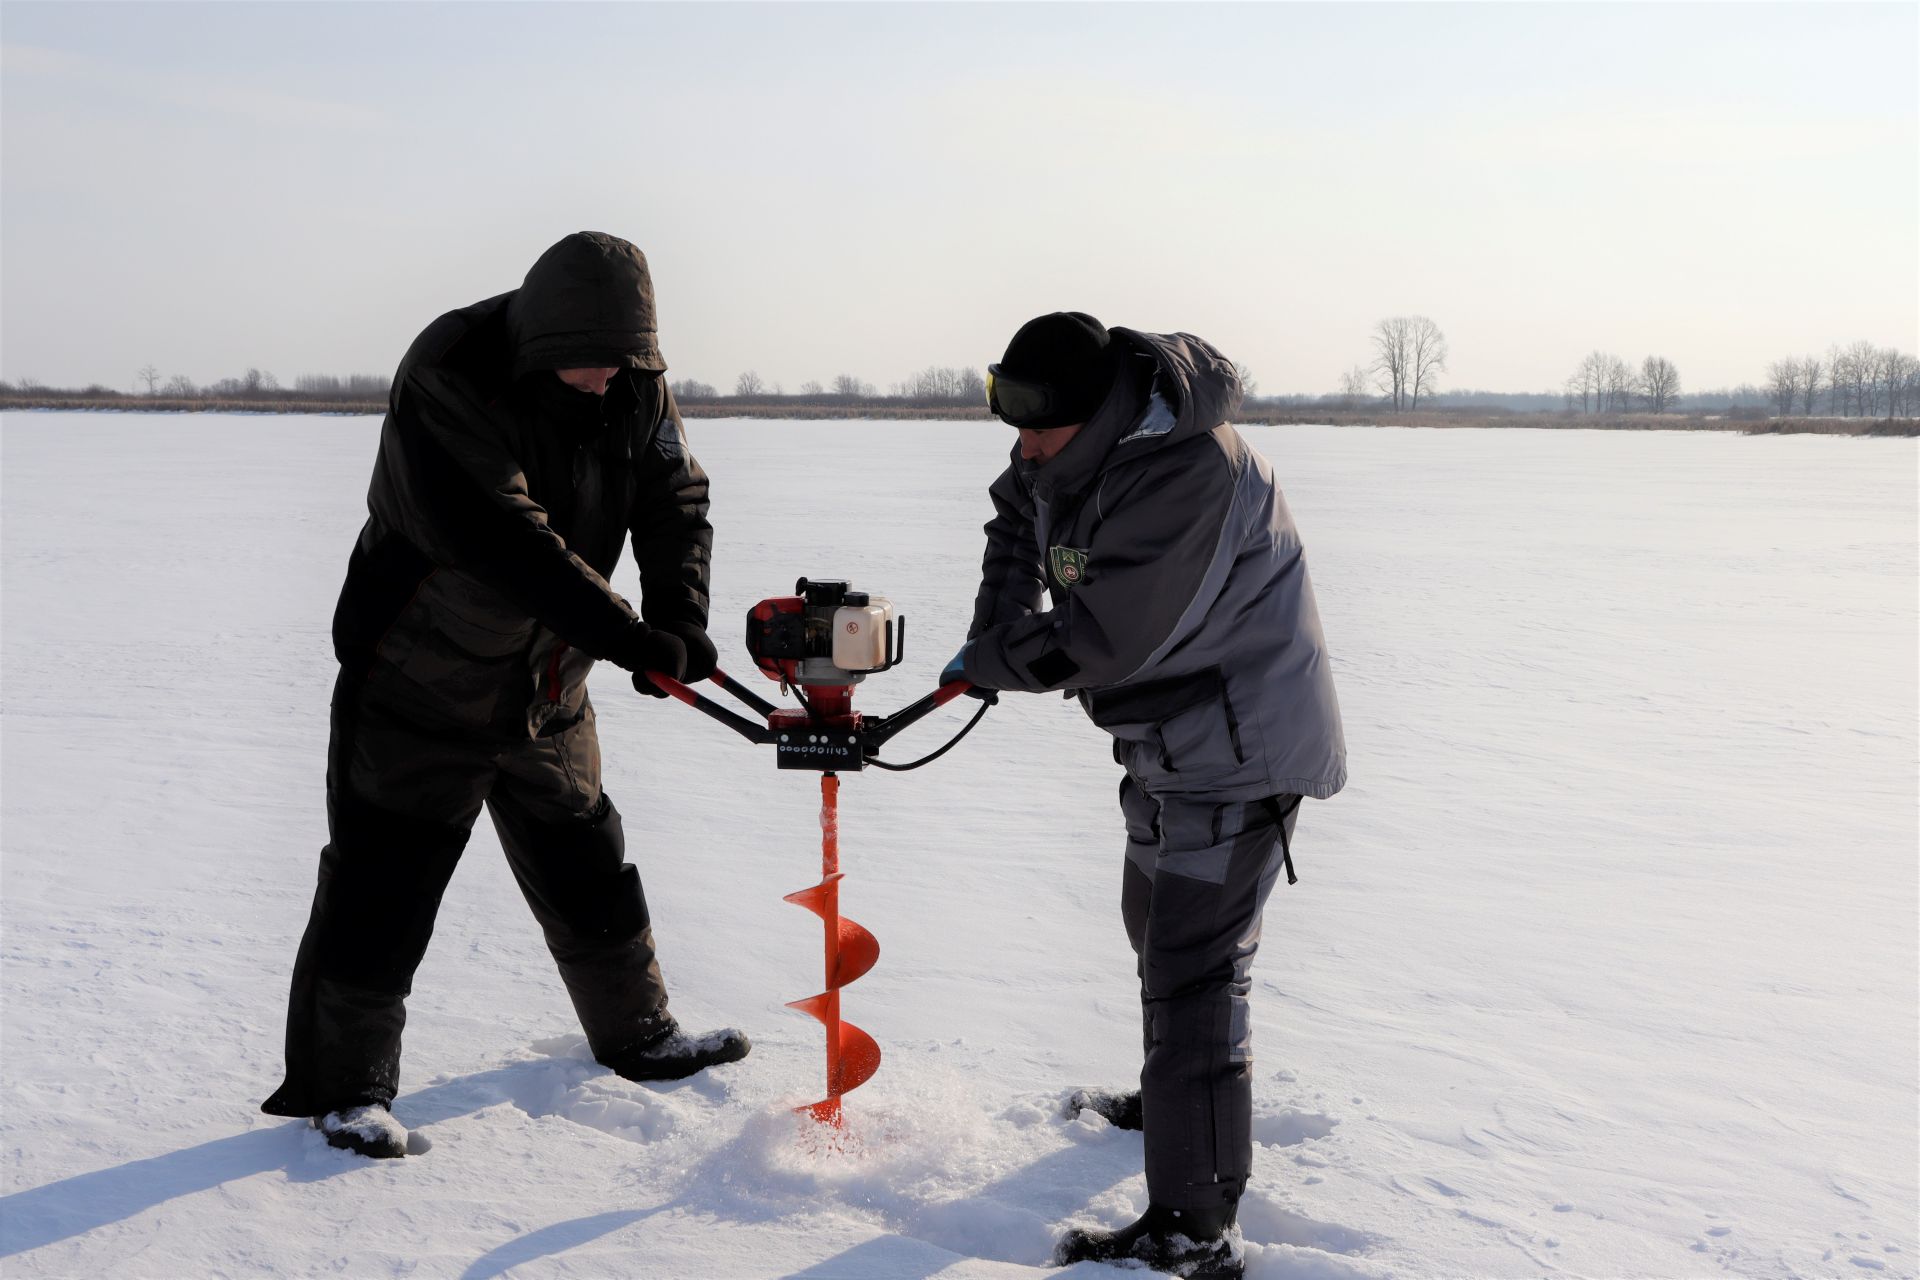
(551, 402)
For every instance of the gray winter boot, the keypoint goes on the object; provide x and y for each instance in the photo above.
(1121, 1110)
(1195, 1244)
(369, 1131)
(669, 1053)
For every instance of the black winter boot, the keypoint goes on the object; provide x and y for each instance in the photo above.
(671, 1054)
(1196, 1244)
(369, 1131)
(1121, 1110)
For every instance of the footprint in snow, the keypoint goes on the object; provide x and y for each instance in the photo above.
(1290, 1128)
(567, 1083)
(1265, 1221)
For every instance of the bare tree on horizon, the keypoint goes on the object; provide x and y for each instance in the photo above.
(1896, 371)
(1429, 358)
(1783, 385)
(1409, 353)
(1853, 379)
(1390, 360)
(1811, 370)
(1590, 381)
(1353, 385)
(1659, 383)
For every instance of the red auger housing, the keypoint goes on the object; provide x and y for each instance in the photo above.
(824, 634)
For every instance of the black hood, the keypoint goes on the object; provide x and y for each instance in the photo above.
(586, 304)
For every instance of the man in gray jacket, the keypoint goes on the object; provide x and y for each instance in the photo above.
(1142, 558)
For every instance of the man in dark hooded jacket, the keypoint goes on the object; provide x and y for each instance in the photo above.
(526, 438)
(1141, 558)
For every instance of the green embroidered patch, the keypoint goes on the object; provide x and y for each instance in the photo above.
(1069, 565)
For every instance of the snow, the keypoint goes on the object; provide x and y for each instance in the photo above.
(1604, 964)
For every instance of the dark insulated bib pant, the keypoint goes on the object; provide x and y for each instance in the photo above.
(401, 802)
(1196, 881)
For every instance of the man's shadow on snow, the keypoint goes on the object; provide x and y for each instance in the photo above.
(73, 1206)
(556, 1238)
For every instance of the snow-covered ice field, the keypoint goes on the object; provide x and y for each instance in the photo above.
(1603, 965)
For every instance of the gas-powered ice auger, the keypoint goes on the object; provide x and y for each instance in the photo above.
(819, 643)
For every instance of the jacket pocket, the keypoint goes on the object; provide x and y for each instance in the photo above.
(463, 645)
(473, 619)
(1183, 725)
(383, 576)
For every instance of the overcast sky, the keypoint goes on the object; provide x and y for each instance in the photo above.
(872, 189)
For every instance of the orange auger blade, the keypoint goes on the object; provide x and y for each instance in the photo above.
(858, 951)
(852, 1058)
(859, 1059)
(815, 1005)
(852, 1054)
(858, 1055)
(821, 899)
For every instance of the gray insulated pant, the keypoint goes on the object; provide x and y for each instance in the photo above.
(401, 802)
(1196, 880)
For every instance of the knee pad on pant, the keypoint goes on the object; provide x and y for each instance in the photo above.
(576, 877)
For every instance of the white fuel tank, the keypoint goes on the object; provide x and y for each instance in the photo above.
(860, 634)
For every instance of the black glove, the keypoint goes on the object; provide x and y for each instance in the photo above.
(702, 657)
(658, 651)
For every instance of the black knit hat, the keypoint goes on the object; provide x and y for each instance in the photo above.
(1072, 355)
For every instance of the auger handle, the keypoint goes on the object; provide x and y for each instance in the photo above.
(757, 733)
(875, 732)
(743, 693)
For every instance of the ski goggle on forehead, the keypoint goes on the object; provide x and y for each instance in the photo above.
(1015, 400)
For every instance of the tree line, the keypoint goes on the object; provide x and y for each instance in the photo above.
(1408, 357)
(1604, 383)
(1860, 381)
(254, 384)
(934, 385)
